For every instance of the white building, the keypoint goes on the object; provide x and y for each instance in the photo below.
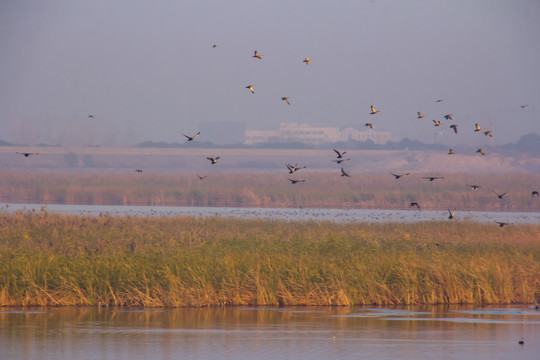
(303, 133)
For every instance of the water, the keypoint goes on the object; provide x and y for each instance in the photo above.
(435, 332)
(293, 214)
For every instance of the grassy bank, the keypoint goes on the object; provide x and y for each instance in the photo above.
(321, 190)
(60, 260)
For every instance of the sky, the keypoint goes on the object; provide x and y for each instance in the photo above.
(148, 71)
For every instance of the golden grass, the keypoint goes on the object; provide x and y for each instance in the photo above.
(63, 260)
(321, 190)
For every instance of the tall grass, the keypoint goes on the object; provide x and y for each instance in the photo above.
(321, 189)
(48, 259)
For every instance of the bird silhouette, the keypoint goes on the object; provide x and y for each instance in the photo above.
(477, 127)
(523, 106)
(488, 133)
(502, 224)
(481, 151)
(250, 87)
(296, 181)
(431, 178)
(214, 46)
(373, 111)
(451, 152)
(213, 160)
(448, 116)
(138, 171)
(286, 99)
(454, 127)
(500, 196)
(437, 123)
(339, 154)
(438, 100)
(420, 115)
(475, 187)
(257, 55)
(451, 214)
(344, 173)
(339, 161)
(294, 168)
(397, 176)
(27, 154)
(202, 177)
(191, 138)
(369, 124)
(535, 193)
(414, 203)
(91, 116)
(307, 60)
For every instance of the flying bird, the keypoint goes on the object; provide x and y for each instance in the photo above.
(26, 154)
(500, 196)
(214, 46)
(535, 193)
(414, 203)
(339, 154)
(448, 116)
(438, 100)
(296, 181)
(286, 99)
(454, 127)
(451, 152)
(488, 133)
(397, 176)
(257, 55)
(373, 111)
(420, 115)
(202, 177)
(475, 187)
(344, 173)
(431, 178)
(307, 60)
(138, 171)
(294, 168)
(502, 224)
(481, 151)
(369, 124)
(477, 128)
(250, 87)
(213, 160)
(437, 123)
(91, 116)
(451, 214)
(339, 161)
(191, 138)
(523, 106)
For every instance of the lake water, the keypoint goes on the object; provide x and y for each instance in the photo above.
(434, 332)
(300, 214)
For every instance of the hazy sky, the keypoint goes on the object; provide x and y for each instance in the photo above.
(147, 70)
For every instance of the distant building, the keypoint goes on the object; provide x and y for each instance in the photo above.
(223, 132)
(303, 133)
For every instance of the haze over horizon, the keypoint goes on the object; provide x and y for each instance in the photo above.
(148, 71)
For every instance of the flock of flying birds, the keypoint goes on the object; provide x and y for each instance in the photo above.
(293, 169)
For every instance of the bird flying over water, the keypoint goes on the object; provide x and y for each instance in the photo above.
(373, 111)
(477, 128)
(437, 123)
(369, 124)
(523, 106)
(26, 154)
(344, 173)
(296, 181)
(451, 214)
(488, 133)
(91, 116)
(438, 100)
(213, 160)
(448, 116)
(250, 87)
(535, 193)
(414, 203)
(397, 176)
(420, 115)
(257, 55)
(475, 187)
(454, 127)
(500, 196)
(307, 60)
(202, 177)
(339, 161)
(294, 168)
(286, 99)
(451, 152)
(138, 171)
(481, 151)
(191, 138)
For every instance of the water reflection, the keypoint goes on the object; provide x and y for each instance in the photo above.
(270, 333)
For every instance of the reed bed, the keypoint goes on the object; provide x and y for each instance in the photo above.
(60, 260)
(321, 190)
